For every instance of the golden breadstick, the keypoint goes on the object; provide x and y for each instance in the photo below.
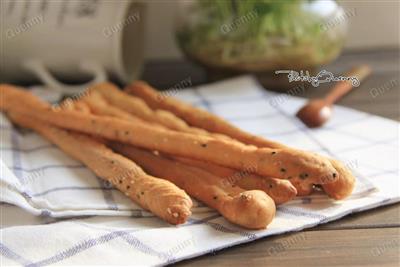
(279, 190)
(159, 196)
(203, 119)
(279, 163)
(99, 106)
(137, 107)
(251, 209)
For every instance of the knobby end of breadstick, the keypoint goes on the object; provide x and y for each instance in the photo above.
(344, 185)
(252, 209)
(286, 193)
(178, 213)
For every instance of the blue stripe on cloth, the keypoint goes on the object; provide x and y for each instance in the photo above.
(92, 242)
(228, 100)
(16, 157)
(78, 248)
(369, 140)
(8, 253)
(46, 167)
(6, 127)
(139, 245)
(137, 212)
(107, 194)
(251, 117)
(380, 142)
(67, 188)
(300, 213)
(219, 227)
(283, 133)
(344, 123)
(135, 242)
(28, 150)
(206, 221)
(203, 100)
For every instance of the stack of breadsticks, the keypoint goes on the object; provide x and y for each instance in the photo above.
(157, 150)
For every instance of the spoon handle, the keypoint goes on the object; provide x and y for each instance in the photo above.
(343, 87)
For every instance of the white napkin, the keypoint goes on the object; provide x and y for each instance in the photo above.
(39, 178)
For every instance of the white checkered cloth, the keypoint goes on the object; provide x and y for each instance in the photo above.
(71, 217)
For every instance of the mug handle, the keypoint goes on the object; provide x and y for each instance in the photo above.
(39, 69)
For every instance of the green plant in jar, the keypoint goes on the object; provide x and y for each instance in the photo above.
(262, 35)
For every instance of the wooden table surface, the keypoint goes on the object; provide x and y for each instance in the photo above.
(370, 238)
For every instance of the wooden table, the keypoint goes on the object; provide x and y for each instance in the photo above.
(370, 238)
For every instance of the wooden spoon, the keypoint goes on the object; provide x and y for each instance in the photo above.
(317, 111)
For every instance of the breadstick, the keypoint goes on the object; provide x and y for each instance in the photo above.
(137, 107)
(279, 190)
(279, 163)
(159, 196)
(251, 209)
(99, 106)
(203, 119)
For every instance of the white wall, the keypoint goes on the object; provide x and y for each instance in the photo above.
(374, 25)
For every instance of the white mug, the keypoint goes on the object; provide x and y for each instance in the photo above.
(73, 40)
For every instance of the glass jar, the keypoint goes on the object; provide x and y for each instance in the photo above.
(261, 36)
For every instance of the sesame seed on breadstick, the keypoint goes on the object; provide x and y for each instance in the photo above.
(251, 209)
(159, 196)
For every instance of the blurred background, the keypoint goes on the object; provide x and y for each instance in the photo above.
(372, 24)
